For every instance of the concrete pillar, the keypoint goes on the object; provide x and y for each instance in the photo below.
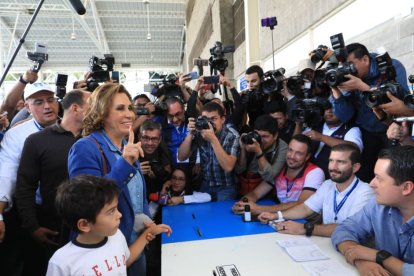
(252, 29)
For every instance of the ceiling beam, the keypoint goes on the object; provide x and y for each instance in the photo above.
(99, 29)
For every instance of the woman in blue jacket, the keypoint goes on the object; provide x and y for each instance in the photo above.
(105, 152)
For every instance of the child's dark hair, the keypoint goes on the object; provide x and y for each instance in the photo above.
(83, 197)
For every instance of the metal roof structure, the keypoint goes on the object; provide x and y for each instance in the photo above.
(141, 34)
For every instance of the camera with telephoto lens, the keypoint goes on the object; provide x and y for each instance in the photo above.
(99, 69)
(378, 96)
(247, 139)
(217, 60)
(202, 123)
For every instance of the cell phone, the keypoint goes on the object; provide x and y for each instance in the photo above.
(211, 79)
(193, 75)
(115, 76)
(40, 48)
(4, 114)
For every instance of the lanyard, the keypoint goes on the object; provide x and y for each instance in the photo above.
(338, 207)
(289, 186)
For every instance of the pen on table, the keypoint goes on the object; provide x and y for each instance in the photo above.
(200, 234)
(193, 216)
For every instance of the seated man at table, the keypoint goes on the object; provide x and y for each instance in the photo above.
(218, 144)
(389, 219)
(338, 198)
(298, 180)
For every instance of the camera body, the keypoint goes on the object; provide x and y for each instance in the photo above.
(247, 139)
(318, 54)
(99, 69)
(169, 88)
(379, 96)
(335, 76)
(202, 123)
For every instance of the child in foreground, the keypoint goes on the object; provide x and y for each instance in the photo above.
(88, 205)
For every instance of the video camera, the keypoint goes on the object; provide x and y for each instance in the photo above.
(100, 69)
(39, 56)
(217, 60)
(378, 95)
(310, 111)
(272, 81)
(169, 87)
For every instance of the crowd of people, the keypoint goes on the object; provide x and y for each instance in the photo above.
(83, 179)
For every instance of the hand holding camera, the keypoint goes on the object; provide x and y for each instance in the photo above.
(191, 126)
(251, 142)
(145, 167)
(30, 76)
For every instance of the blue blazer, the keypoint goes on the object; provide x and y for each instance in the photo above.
(85, 158)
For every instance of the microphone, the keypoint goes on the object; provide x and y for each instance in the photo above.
(78, 6)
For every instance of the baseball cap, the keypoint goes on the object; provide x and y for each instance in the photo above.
(37, 87)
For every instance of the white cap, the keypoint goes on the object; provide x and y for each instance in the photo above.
(37, 87)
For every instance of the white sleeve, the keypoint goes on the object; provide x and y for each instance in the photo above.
(197, 197)
(365, 194)
(354, 135)
(9, 162)
(55, 270)
(314, 178)
(315, 201)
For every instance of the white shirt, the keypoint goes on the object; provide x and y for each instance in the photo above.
(323, 200)
(10, 152)
(353, 135)
(107, 259)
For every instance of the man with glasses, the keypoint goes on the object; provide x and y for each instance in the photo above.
(156, 163)
(260, 158)
(41, 102)
(389, 219)
(219, 148)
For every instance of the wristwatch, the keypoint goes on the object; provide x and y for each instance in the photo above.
(22, 80)
(308, 228)
(381, 256)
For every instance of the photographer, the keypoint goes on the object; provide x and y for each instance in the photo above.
(156, 163)
(348, 102)
(332, 132)
(287, 128)
(262, 154)
(219, 148)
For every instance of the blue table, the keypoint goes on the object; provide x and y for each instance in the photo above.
(208, 221)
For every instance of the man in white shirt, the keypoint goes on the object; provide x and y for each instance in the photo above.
(40, 101)
(338, 198)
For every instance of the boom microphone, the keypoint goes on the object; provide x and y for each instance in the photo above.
(78, 6)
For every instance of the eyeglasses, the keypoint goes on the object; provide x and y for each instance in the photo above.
(40, 102)
(177, 178)
(148, 139)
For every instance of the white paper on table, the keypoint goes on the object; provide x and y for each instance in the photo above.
(326, 268)
(306, 253)
(294, 242)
